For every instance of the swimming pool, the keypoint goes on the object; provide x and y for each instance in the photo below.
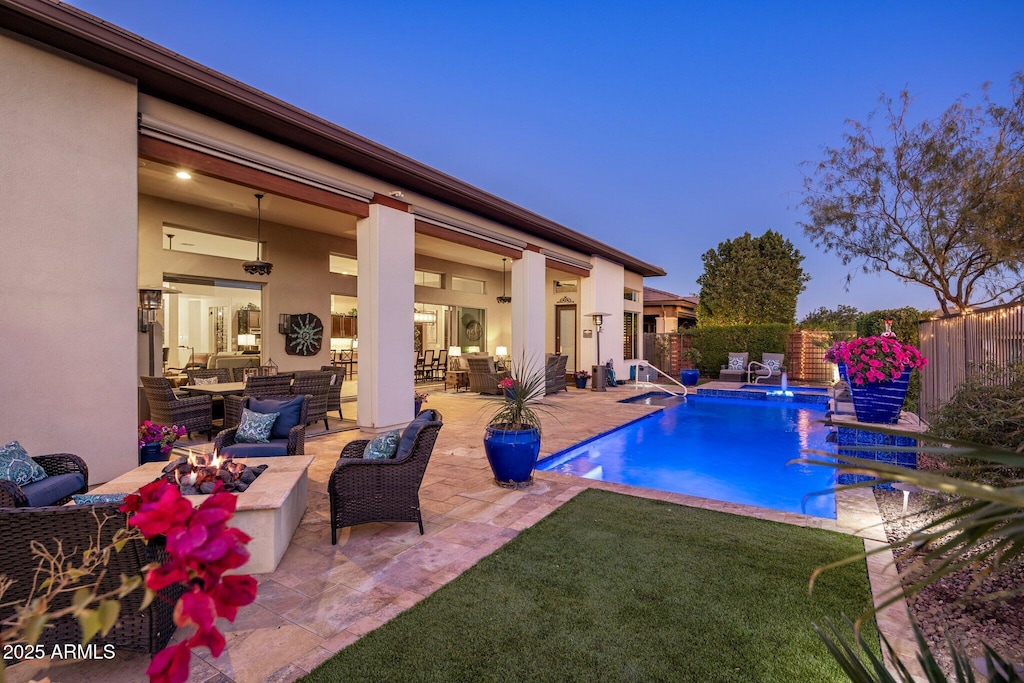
(720, 448)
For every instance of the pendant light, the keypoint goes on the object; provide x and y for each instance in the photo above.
(503, 299)
(257, 267)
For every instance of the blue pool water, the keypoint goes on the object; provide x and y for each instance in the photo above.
(725, 449)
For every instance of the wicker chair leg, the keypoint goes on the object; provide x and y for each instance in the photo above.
(419, 520)
(325, 422)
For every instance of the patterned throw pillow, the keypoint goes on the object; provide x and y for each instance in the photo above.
(200, 381)
(16, 466)
(93, 498)
(383, 446)
(735, 362)
(774, 364)
(255, 427)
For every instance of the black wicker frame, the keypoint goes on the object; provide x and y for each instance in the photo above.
(364, 491)
(315, 383)
(334, 394)
(255, 385)
(76, 528)
(11, 495)
(296, 436)
(554, 374)
(195, 413)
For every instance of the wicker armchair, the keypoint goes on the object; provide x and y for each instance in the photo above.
(482, 376)
(266, 385)
(76, 528)
(195, 413)
(318, 385)
(554, 374)
(295, 444)
(55, 465)
(223, 375)
(334, 394)
(364, 491)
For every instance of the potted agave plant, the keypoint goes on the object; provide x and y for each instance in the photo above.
(512, 438)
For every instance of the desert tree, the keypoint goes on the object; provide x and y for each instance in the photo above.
(939, 203)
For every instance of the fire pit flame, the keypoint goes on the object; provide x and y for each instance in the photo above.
(199, 473)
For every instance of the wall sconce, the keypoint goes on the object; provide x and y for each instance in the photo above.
(284, 323)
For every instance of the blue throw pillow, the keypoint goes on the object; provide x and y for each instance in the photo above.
(288, 413)
(383, 446)
(17, 466)
(254, 427)
(93, 498)
(413, 428)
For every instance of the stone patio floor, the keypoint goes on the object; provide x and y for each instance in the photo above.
(324, 597)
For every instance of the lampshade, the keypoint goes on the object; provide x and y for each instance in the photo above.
(454, 351)
(247, 340)
(501, 351)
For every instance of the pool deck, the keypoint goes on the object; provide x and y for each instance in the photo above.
(324, 597)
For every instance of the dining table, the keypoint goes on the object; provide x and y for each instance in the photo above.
(215, 389)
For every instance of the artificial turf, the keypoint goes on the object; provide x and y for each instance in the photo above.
(616, 588)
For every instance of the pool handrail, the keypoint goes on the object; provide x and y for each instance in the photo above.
(754, 366)
(650, 385)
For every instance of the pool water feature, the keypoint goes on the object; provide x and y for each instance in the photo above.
(720, 448)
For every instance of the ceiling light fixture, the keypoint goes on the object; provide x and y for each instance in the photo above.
(503, 299)
(257, 267)
(184, 175)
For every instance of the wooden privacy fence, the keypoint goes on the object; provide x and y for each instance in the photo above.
(805, 350)
(986, 341)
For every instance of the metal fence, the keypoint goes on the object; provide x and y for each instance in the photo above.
(960, 346)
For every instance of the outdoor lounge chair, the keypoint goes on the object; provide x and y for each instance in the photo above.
(315, 383)
(334, 395)
(483, 378)
(554, 373)
(66, 475)
(195, 413)
(72, 529)
(768, 371)
(266, 385)
(385, 490)
(287, 436)
(736, 369)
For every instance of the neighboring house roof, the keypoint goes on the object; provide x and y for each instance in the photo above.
(660, 296)
(167, 75)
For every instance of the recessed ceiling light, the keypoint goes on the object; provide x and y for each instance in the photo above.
(184, 175)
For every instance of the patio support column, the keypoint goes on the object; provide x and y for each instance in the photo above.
(602, 292)
(385, 243)
(528, 313)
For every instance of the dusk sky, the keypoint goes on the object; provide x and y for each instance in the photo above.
(659, 128)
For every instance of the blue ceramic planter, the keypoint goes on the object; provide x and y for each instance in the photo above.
(689, 378)
(880, 402)
(150, 453)
(842, 372)
(581, 383)
(512, 455)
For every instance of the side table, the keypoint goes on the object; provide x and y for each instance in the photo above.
(459, 379)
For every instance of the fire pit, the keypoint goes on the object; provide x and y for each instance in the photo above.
(198, 473)
(269, 510)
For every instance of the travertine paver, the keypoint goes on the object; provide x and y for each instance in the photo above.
(323, 597)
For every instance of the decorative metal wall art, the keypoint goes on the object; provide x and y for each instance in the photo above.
(305, 335)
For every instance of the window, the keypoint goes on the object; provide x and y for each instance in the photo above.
(207, 243)
(465, 284)
(211, 316)
(566, 286)
(631, 294)
(428, 279)
(629, 336)
(344, 265)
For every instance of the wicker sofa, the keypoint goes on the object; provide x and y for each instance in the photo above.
(76, 528)
(386, 490)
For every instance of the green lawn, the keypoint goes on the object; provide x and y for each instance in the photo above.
(616, 588)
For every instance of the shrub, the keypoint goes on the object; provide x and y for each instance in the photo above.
(716, 343)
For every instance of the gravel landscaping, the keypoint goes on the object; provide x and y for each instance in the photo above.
(1000, 623)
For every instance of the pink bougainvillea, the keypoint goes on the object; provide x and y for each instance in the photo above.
(875, 359)
(201, 547)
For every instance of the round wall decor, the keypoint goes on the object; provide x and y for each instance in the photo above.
(305, 335)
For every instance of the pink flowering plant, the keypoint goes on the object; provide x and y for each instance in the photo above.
(834, 351)
(876, 359)
(165, 435)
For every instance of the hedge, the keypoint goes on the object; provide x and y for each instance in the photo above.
(716, 343)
